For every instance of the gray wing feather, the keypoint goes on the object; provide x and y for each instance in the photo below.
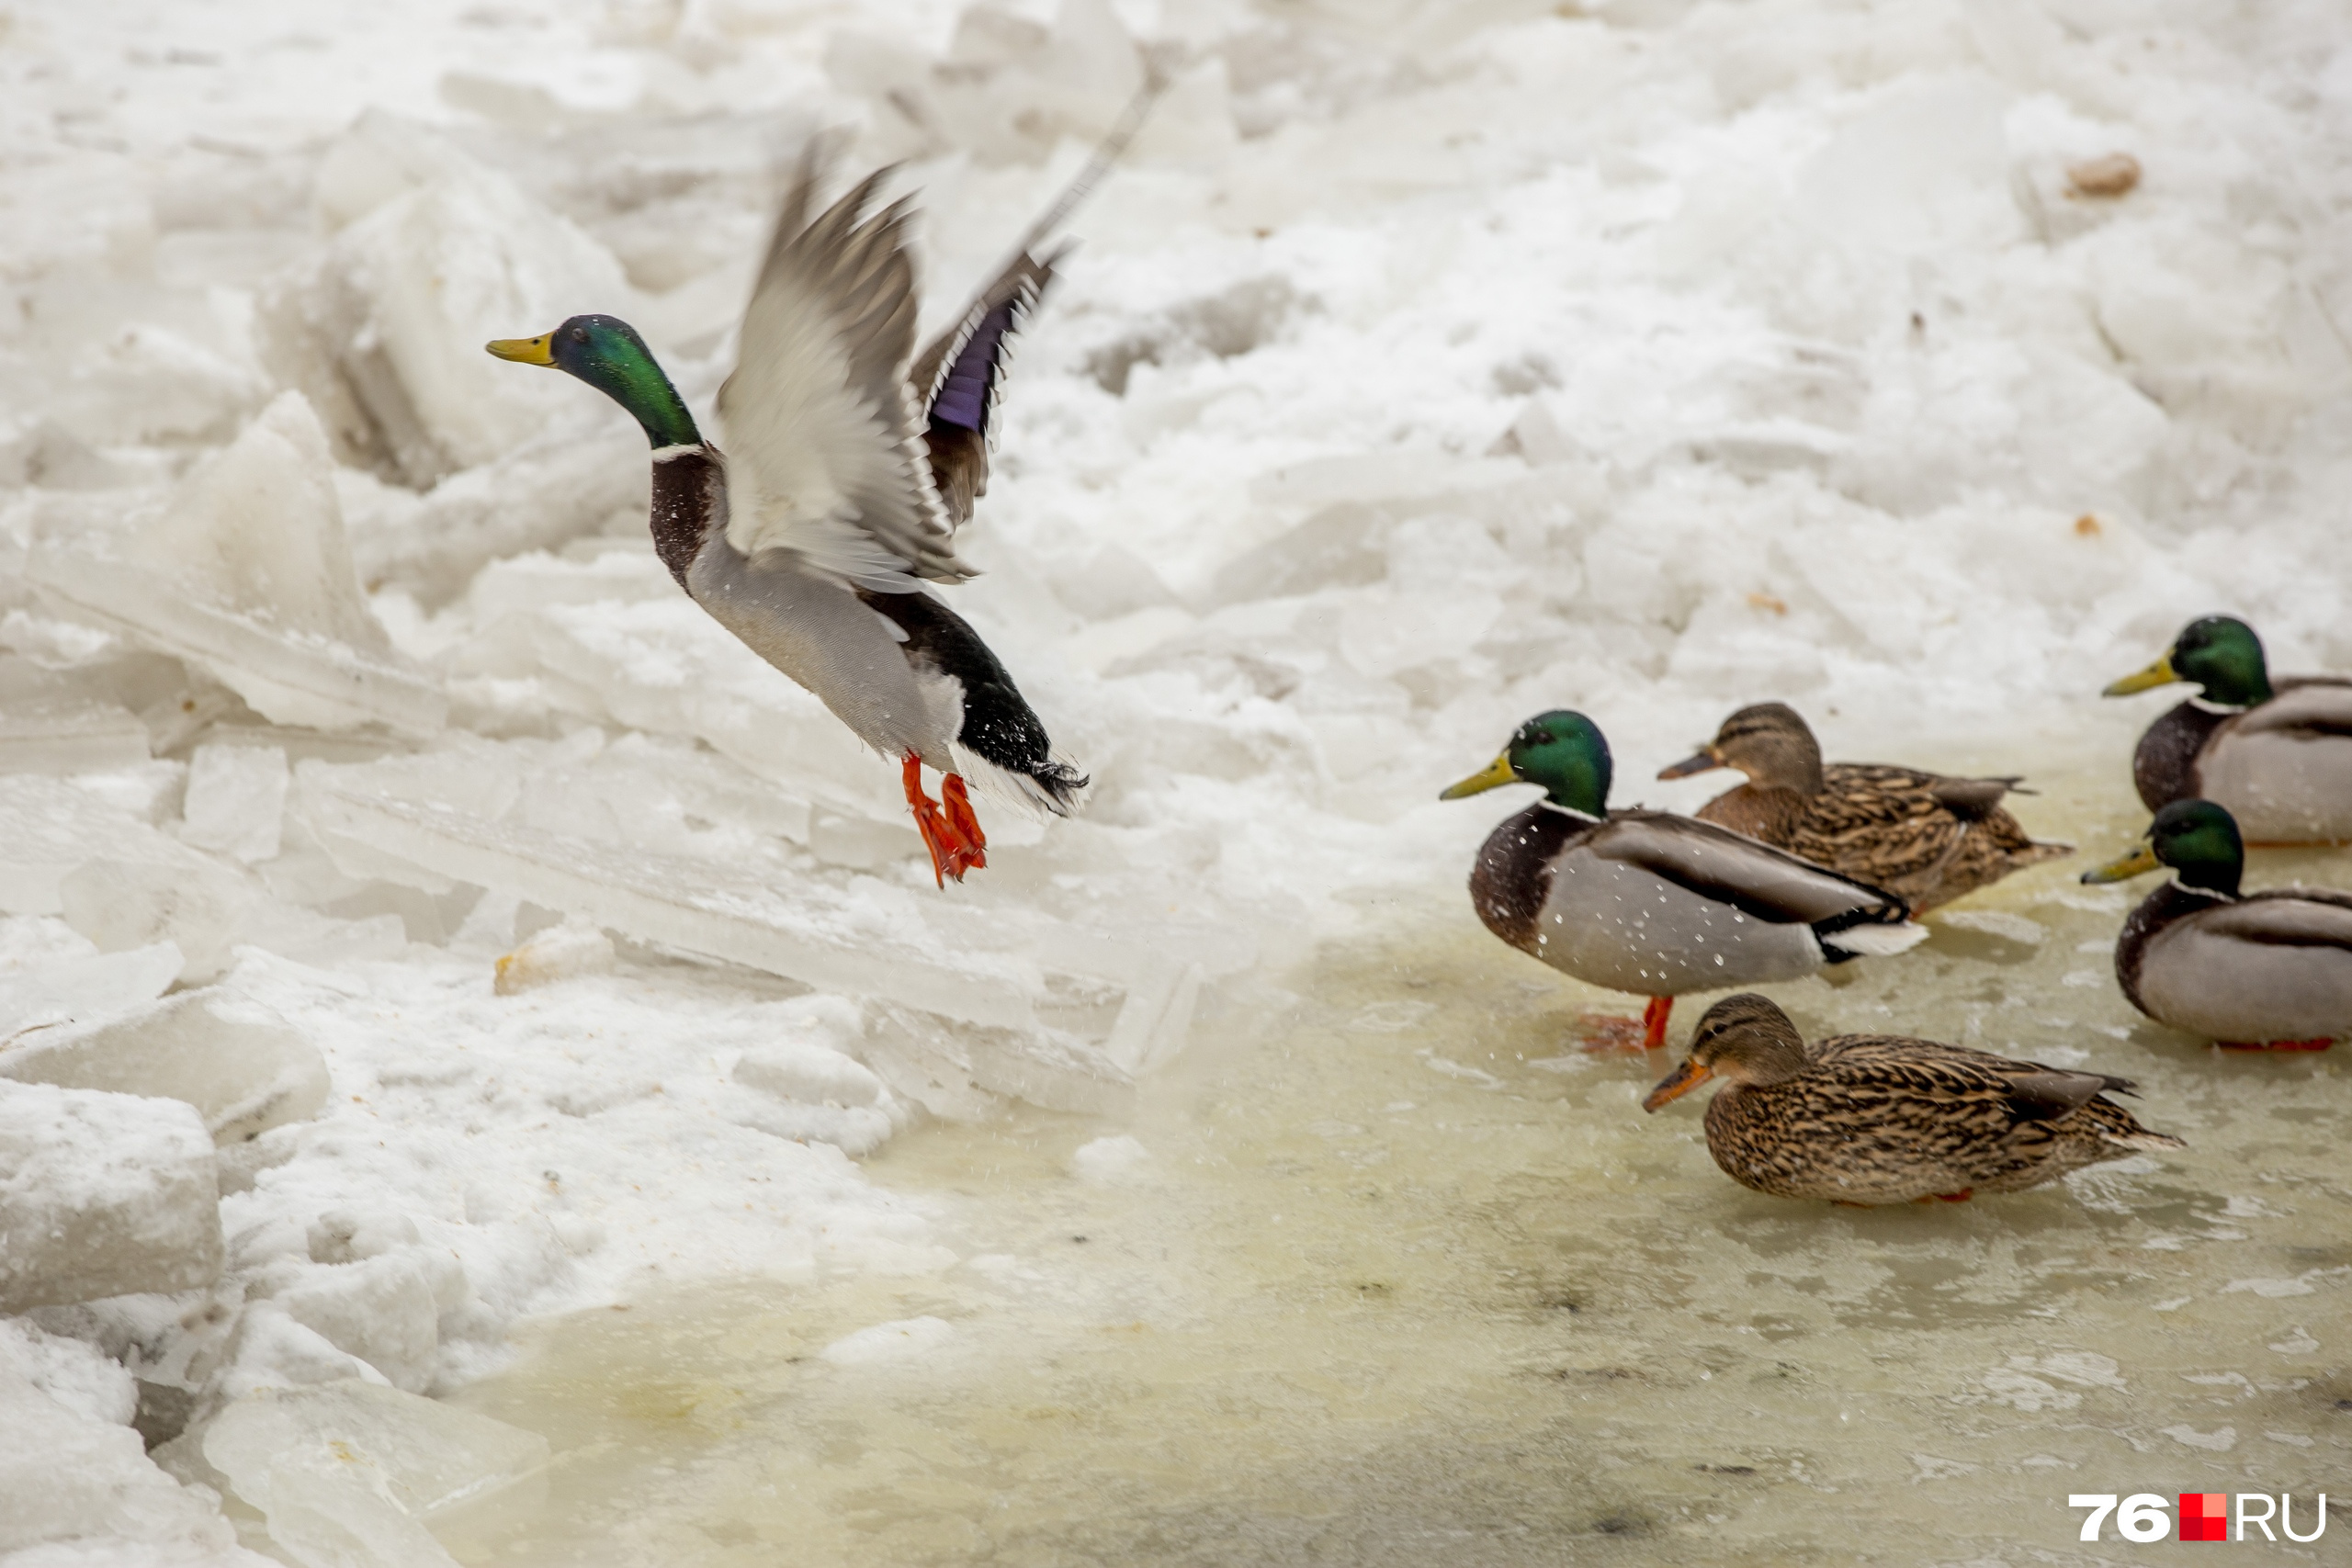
(2279, 918)
(824, 436)
(1734, 869)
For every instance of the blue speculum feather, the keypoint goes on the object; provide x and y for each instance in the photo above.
(963, 399)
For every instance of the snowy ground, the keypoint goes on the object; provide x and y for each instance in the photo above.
(1425, 366)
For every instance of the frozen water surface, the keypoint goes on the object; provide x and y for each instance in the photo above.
(1401, 1275)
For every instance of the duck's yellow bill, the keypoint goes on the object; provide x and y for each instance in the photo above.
(1495, 774)
(2160, 673)
(537, 350)
(1680, 1082)
(2138, 863)
(1700, 761)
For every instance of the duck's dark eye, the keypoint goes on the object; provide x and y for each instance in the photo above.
(580, 335)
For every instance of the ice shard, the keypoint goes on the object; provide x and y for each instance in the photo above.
(348, 1473)
(243, 1066)
(101, 1195)
(244, 572)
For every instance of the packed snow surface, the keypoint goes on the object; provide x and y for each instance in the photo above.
(388, 848)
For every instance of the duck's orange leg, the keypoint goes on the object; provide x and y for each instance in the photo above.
(1654, 1022)
(953, 836)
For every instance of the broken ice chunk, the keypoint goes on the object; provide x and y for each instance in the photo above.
(817, 935)
(102, 1194)
(813, 1074)
(245, 572)
(614, 640)
(440, 255)
(236, 798)
(201, 905)
(75, 1372)
(540, 496)
(61, 988)
(48, 827)
(67, 1476)
(384, 1310)
(347, 1473)
(817, 1095)
(555, 954)
(951, 1072)
(243, 1066)
(52, 725)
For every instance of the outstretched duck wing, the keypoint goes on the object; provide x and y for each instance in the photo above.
(1732, 869)
(822, 431)
(959, 375)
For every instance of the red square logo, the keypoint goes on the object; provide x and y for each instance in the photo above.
(2204, 1516)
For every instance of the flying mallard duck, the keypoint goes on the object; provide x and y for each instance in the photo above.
(1652, 903)
(2255, 971)
(1925, 838)
(1870, 1119)
(854, 460)
(2281, 761)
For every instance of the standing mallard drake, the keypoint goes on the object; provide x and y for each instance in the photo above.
(1870, 1119)
(2255, 971)
(2276, 753)
(1925, 838)
(1648, 902)
(855, 459)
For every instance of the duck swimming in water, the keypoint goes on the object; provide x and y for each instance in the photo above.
(2266, 971)
(1923, 836)
(1870, 1118)
(854, 459)
(2275, 752)
(1649, 902)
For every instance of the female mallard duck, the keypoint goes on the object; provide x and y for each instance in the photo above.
(1870, 1119)
(1925, 838)
(855, 459)
(2255, 971)
(1652, 903)
(2276, 753)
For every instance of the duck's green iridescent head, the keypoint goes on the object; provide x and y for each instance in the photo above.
(2220, 654)
(2197, 838)
(606, 352)
(1562, 751)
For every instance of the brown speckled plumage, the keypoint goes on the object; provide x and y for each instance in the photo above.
(1923, 836)
(1874, 1119)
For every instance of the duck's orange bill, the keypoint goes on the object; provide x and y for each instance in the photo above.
(1680, 1082)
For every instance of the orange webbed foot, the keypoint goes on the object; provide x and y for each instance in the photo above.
(953, 836)
(972, 849)
(1612, 1031)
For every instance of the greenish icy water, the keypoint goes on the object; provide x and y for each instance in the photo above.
(1407, 1279)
